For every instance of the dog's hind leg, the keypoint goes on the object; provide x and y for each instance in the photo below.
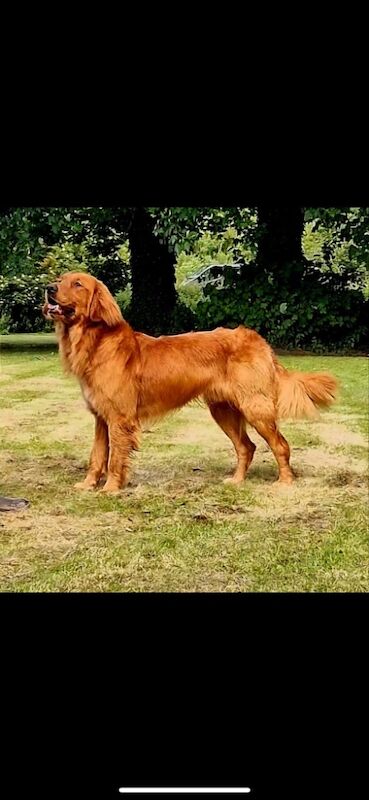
(265, 424)
(232, 422)
(99, 456)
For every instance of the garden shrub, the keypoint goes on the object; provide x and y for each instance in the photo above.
(322, 311)
(21, 300)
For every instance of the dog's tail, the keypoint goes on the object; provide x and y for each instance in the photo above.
(302, 394)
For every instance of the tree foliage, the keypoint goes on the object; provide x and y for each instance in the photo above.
(180, 228)
(346, 225)
(279, 291)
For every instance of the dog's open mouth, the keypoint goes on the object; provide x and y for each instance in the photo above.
(55, 310)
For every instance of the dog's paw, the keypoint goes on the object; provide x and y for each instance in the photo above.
(287, 481)
(85, 486)
(233, 480)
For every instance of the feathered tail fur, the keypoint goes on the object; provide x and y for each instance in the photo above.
(302, 394)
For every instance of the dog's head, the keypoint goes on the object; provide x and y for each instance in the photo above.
(76, 296)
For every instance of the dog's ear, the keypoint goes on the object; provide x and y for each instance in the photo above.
(103, 307)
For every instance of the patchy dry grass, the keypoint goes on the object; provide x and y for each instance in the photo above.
(178, 527)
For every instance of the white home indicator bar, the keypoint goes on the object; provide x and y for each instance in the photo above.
(185, 790)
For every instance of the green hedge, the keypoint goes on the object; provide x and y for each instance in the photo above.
(21, 300)
(324, 311)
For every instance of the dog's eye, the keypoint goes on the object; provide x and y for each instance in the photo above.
(77, 283)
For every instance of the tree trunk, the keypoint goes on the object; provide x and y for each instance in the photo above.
(280, 238)
(153, 276)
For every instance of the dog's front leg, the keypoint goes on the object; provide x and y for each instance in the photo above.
(99, 456)
(123, 439)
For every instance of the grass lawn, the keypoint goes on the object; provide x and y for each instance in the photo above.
(19, 341)
(177, 527)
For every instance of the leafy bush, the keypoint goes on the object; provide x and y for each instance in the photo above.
(4, 324)
(321, 312)
(190, 296)
(208, 249)
(66, 257)
(21, 296)
(182, 318)
(113, 270)
(77, 257)
(123, 299)
(21, 299)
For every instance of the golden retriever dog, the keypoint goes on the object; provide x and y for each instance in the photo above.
(128, 378)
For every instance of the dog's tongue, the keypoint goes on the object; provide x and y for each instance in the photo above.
(53, 309)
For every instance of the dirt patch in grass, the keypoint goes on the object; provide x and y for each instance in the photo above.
(340, 434)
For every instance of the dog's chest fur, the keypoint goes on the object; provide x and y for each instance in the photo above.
(88, 397)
